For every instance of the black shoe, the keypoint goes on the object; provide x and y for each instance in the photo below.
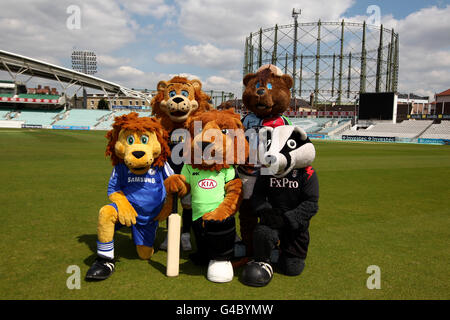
(101, 269)
(257, 274)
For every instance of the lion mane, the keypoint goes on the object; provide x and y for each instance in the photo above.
(133, 122)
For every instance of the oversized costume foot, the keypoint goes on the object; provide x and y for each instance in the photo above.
(257, 274)
(101, 269)
(220, 271)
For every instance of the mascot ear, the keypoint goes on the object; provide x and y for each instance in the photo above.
(248, 77)
(302, 132)
(287, 80)
(197, 84)
(265, 138)
(161, 85)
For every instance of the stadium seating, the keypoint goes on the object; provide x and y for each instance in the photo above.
(407, 129)
(3, 114)
(79, 117)
(37, 117)
(437, 131)
(319, 125)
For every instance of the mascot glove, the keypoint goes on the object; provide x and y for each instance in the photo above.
(176, 184)
(272, 217)
(127, 215)
(299, 217)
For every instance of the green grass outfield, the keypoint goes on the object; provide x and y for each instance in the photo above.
(380, 204)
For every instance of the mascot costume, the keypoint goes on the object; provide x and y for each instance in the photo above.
(267, 96)
(217, 143)
(176, 100)
(138, 150)
(285, 198)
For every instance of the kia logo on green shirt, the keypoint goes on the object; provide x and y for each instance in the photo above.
(207, 184)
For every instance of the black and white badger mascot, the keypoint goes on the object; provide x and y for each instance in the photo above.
(285, 198)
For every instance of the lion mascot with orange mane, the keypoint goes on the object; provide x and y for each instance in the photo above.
(176, 100)
(217, 143)
(138, 149)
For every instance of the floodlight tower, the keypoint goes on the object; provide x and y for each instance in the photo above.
(85, 62)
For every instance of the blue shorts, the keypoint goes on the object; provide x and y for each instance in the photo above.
(143, 235)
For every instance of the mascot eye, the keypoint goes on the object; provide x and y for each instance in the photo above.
(291, 143)
(269, 86)
(257, 85)
(225, 131)
(185, 93)
(172, 93)
(144, 139)
(130, 140)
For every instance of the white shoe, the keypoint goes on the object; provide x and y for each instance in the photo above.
(186, 241)
(163, 246)
(220, 271)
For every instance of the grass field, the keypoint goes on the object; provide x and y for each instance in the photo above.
(381, 204)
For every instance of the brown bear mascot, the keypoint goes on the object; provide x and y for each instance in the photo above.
(267, 96)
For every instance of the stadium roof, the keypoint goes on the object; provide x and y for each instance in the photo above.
(444, 93)
(19, 64)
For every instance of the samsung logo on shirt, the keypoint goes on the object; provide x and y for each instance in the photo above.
(141, 179)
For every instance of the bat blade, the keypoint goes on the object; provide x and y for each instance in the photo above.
(173, 242)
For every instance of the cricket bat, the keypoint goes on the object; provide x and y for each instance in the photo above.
(173, 240)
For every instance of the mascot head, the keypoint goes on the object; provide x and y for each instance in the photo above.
(177, 99)
(139, 142)
(217, 140)
(267, 92)
(285, 148)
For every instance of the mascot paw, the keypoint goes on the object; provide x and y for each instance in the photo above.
(176, 184)
(144, 252)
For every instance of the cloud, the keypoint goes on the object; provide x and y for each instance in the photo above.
(40, 29)
(229, 22)
(155, 8)
(424, 50)
(202, 55)
(104, 60)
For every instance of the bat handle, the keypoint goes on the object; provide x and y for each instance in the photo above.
(174, 203)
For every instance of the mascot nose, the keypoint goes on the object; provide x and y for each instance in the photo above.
(177, 100)
(270, 159)
(138, 154)
(204, 145)
(260, 92)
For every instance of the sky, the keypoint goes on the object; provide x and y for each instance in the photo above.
(140, 42)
